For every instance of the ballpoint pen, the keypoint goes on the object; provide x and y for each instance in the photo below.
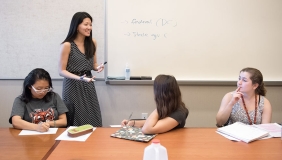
(129, 118)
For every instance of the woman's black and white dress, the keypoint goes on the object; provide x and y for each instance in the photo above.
(81, 94)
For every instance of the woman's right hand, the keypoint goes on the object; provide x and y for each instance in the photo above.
(43, 127)
(237, 95)
(86, 79)
(125, 122)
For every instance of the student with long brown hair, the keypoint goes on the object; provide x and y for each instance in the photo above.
(170, 112)
(247, 104)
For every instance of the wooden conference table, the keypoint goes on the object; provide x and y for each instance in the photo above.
(182, 144)
(13, 146)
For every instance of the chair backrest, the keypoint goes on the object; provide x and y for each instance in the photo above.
(70, 114)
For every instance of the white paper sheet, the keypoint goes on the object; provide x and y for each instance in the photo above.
(115, 126)
(28, 132)
(64, 136)
(234, 139)
(228, 137)
(274, 129)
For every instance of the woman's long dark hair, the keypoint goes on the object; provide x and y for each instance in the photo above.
(30, 79)
(167, 95)
(89, 45)
(256, 77)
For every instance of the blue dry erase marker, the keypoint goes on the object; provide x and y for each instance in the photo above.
(101, 65)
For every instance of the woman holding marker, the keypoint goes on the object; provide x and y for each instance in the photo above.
(38, 107)
(170, 112)
(78, 58)
(247, 104)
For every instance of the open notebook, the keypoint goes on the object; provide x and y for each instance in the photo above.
(133, 133)
(243, 132)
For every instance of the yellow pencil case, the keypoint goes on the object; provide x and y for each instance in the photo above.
(81, 130)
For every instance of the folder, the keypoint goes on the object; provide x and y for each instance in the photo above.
(132, 133)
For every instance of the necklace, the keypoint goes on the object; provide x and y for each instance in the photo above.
(255, 118)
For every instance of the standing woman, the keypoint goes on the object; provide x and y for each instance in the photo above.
(78, 58)
(247, 104)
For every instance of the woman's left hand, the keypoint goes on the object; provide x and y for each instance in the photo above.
(100, 68)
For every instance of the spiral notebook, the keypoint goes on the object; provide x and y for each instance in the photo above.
(243, 132)
(133, 133)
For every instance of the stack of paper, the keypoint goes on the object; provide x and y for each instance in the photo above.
(243, 132)
(273, 129)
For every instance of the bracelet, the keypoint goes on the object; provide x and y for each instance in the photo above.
(81, 77)
(133, 123)
(54, 123)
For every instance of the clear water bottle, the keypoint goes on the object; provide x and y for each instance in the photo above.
(155, 151)
(127, 72)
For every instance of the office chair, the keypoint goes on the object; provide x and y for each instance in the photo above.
(70, 114)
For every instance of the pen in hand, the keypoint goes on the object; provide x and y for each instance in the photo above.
(103, 64)
(129, 119)
(42, 127)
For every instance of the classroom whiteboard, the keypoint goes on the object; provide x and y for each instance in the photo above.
(194, 39)
(31, 32)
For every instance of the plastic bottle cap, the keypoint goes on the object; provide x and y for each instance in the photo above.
(155, 141)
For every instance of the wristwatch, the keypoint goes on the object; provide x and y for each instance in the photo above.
(81, 77)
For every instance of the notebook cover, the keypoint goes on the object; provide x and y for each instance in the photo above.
(133, 133)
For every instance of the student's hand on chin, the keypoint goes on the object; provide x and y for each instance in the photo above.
(237, 95)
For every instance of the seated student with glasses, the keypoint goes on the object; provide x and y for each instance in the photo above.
(38, 107)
